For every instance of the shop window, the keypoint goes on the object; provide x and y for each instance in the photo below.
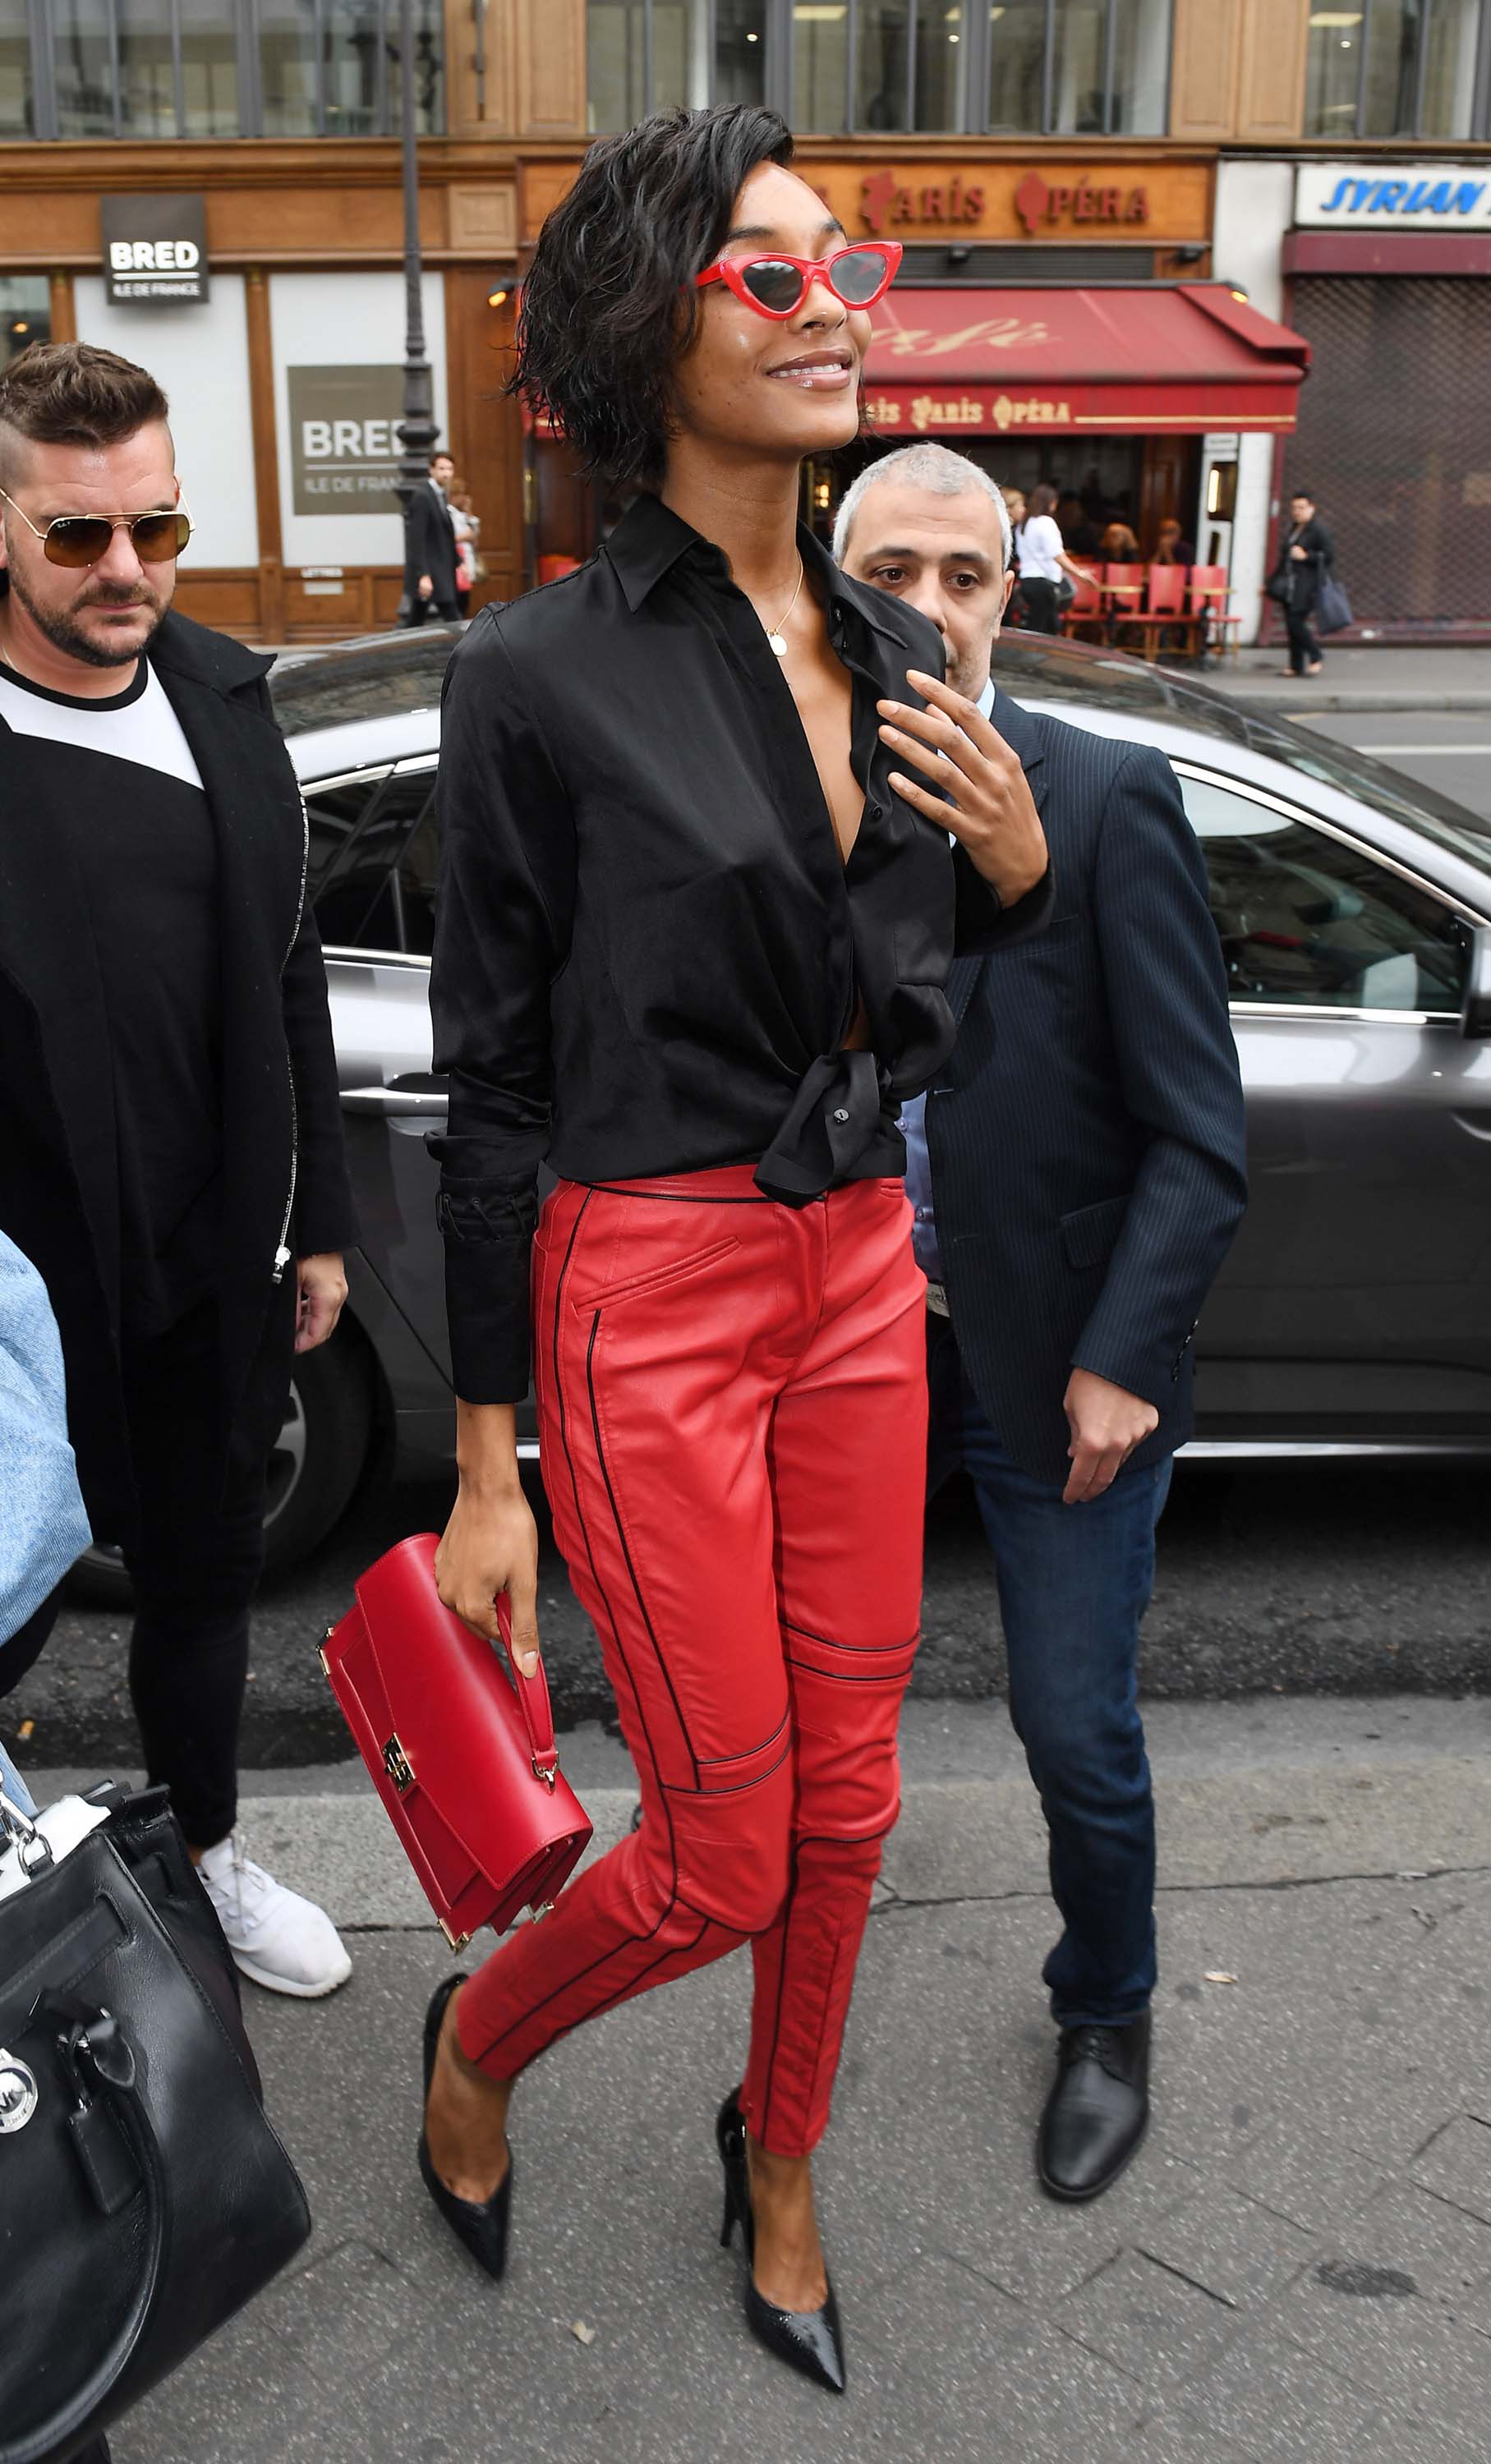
(740, 50)
(1093, 67)
(25, 313)
(1017, 65)
(680, 53)
(209, 44)
(1394, 68)
(17, 99)
(1307, 920)
(215, 68)
(84, 68)
(146, 68)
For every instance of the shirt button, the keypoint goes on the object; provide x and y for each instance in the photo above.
(842, 1115)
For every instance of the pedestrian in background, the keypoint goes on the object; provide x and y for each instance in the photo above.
(1044, 563)
(1119, 545)
(1076, 1176)
(430, 558)
(467, 527)
(1304, 559)
(169, 1111)
(1170, 546)
(705, 1018)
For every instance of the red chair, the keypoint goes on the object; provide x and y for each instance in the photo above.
(1209, 596)
(1122, 596)
(1086, 608)
(1166, 610)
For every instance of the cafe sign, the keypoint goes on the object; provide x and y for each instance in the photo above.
(154, 248)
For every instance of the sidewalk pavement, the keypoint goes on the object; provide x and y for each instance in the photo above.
(1296, 2270)
(1430, 677)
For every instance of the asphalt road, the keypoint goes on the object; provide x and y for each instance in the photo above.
(1349, 1577)
(1448, 750)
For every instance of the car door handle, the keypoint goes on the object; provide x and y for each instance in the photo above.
(392, 1100)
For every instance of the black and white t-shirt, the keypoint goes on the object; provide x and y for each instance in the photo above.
(125, 798)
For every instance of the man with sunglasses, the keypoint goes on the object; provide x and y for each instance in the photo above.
(169, 1113)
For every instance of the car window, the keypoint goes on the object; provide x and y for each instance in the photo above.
(374, 861)
(1305, 917)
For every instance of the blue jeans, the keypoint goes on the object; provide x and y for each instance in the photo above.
(13, 1785)
(1073, 1584)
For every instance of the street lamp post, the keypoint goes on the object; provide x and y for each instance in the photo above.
(417, 430)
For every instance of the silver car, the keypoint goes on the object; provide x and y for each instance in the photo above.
(1354, 1314)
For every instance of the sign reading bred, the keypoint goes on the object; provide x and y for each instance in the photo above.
(155, 248)
(343, 438)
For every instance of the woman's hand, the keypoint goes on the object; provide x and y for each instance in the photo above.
(992, 813)
(491, 1542)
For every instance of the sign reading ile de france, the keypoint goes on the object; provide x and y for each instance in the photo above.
(1411, 196)
(343, 442)
(154, 248)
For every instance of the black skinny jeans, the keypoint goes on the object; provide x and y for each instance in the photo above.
(1042, 614)
(1304, 647)
(196, 1561)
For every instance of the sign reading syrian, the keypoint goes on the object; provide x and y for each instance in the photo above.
(345, 450)
(1403, 196)
(154, 248)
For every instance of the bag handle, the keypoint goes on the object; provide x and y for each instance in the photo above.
(99, 2040)
(533, 1701)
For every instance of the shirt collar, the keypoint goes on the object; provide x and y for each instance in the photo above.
(650, 540)
(986, 700)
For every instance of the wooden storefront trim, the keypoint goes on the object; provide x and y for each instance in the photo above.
(271, 610)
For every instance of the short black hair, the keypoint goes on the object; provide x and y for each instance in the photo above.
(1306, 493)
(608, 302)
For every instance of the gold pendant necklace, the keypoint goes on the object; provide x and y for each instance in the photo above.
(776, 634)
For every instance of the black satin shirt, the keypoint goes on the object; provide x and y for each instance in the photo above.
(648, 950)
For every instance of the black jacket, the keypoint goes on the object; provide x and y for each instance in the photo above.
(1086, 1141)
(285, 1179)
(429, 547)
(1304, 578)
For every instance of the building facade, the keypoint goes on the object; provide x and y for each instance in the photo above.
(1118, 217)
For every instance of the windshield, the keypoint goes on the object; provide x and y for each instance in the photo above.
(385, 680)
(1449, 824)
(1075, 673)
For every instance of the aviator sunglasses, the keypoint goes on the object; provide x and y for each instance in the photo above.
(776, 286)
(81, 540)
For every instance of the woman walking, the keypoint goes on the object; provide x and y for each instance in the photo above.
(692, 940)
(1043, 560)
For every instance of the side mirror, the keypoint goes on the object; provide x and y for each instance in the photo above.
(1476, 1016)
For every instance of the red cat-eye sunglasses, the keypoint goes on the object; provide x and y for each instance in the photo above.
(776, 286)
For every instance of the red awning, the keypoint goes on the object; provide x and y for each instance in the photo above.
(1175, 358)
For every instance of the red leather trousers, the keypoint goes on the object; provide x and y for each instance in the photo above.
(733, 1416)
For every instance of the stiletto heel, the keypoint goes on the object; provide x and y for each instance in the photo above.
(809, 2341)
(480, 2225)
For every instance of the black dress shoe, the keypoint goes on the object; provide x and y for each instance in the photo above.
(809, 2341)
(1098, 2110)
(481, 2224)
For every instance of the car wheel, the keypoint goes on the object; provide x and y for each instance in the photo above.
(317, 1460)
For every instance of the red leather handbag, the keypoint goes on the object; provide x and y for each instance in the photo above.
(461, 1752)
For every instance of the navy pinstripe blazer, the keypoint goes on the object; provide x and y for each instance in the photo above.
(1086, 1138)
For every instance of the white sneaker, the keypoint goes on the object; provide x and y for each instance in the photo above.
(276, 1938)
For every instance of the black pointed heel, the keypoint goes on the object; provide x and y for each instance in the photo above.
(480, 2224)
(809, 2341)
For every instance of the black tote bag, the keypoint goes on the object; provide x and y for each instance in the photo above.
(143, 2196)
